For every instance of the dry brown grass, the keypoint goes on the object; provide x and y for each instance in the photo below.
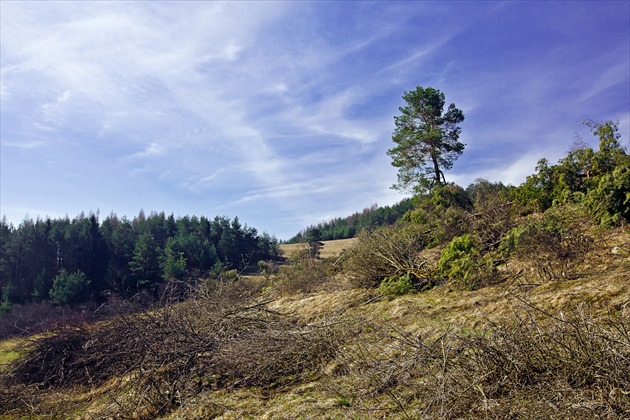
(520, 349)
(330, 249)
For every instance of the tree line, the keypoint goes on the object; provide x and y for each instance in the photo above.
(75, 260)
(348, 227)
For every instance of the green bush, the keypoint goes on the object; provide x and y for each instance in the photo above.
(609, 203)
(440, 223)
(6, 298)
(509, 242)
(462, 262)
(69, 288)
(303, 274)
(396, 286)
(555, 244)
(451, 195)
(173, 265)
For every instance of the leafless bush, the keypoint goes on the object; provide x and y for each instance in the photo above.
(391, 251)
(554, 253)
(159, 358)
(302, 274)
(34, 318)
(394, 371)
(492, 222)
(571, 367)
(276, 351)
(578, 366)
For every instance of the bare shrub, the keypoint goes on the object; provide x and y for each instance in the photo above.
(390, 252)
(276, 351)
(396, 371)
(555, 245)
(302, 274)
(155, 360)
(34, 318)
(565, 363)
(492, 222)
(571, 367)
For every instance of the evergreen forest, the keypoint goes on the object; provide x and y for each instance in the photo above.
(348, 227)
(69, 261)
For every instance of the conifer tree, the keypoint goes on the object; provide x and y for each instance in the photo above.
(427, 140)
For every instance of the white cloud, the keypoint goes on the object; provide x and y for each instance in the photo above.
(24, 145)
(151, 150)
(275, 108)
(509, 172)
(198, 185)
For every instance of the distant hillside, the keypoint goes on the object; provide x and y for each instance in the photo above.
(348, 227)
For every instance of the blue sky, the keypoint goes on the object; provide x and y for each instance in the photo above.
(282, 113)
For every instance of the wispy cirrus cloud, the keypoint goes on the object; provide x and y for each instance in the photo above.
(282, 112)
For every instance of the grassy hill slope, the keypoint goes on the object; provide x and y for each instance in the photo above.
(522, 348)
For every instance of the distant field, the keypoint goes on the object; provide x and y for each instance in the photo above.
(330, 249)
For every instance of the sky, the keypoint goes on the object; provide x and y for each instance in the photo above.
(281, 113)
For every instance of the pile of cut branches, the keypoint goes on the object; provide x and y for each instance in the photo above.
(157, 359)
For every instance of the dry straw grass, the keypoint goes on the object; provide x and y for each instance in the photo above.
(521, 349)
(331, 249)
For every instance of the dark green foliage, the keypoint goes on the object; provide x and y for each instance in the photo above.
(349, 227)
(484, 231)
(610, 201)
(69, 287)
(144, 262)
(314, 242)
(451, 195)
(442, 213)
(576, 172)
(268, 245)
(473, 221)
(611, 153)
(173, 263)
(536, 194)
(463, 263)
(6, 297)
(597, 176)
(427, 140)
(396, 286)
(509, 242)
(120, 255)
